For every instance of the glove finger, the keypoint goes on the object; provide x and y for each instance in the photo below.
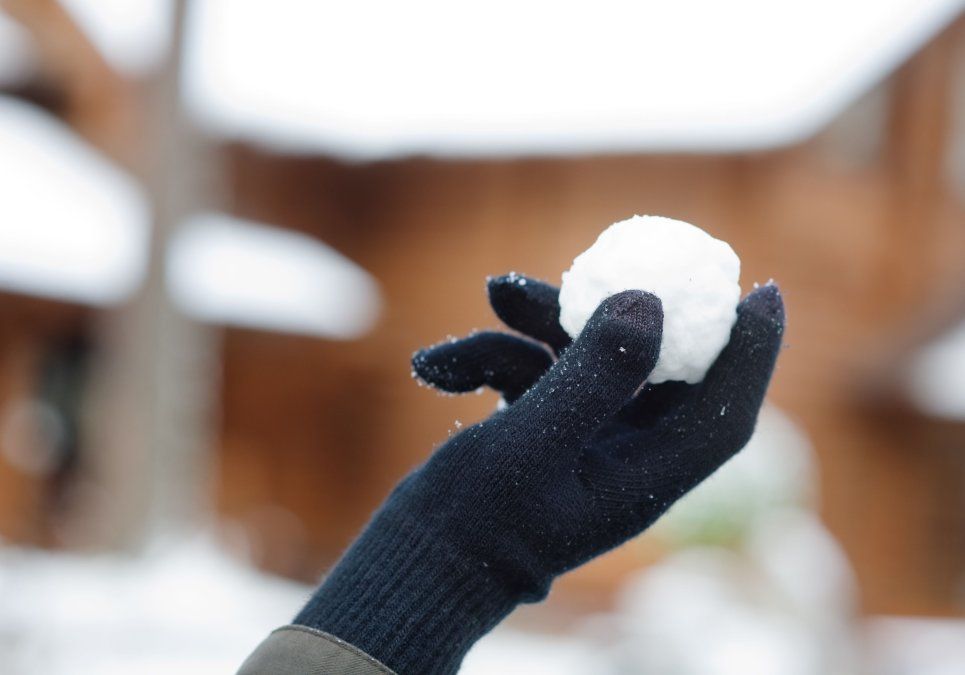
(530, 306)
(734, 388)
(506, 363)
(594, 378)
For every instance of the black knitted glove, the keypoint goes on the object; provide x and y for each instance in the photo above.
(580, 463)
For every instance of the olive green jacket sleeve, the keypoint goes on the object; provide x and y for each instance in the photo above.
(298, 650)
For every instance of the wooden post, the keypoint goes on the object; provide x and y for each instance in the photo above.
(157, 385)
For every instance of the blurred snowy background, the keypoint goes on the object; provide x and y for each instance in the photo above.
(226, 224)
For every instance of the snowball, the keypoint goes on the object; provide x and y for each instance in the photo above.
(694, 275)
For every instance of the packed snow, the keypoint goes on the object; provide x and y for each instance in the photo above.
(694, 275)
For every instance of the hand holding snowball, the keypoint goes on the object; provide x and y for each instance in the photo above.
(583, 458)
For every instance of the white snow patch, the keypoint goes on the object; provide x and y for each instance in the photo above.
(694, 275)
(915, 646)
(72, 226)
(225, 270)
(711, 611)
(182, 607)
(937, 376)
(509, 652)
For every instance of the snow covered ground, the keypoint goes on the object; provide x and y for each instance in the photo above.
(189, 608)
(180, 608)
(183, 607)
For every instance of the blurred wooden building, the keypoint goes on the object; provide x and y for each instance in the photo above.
(862, 225)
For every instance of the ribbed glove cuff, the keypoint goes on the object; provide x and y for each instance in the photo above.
(405, 596)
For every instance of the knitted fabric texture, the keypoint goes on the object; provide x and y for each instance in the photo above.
(582, 460)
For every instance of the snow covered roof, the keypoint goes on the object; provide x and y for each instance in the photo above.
(381, 78)
(225, 270)
(72, 226)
